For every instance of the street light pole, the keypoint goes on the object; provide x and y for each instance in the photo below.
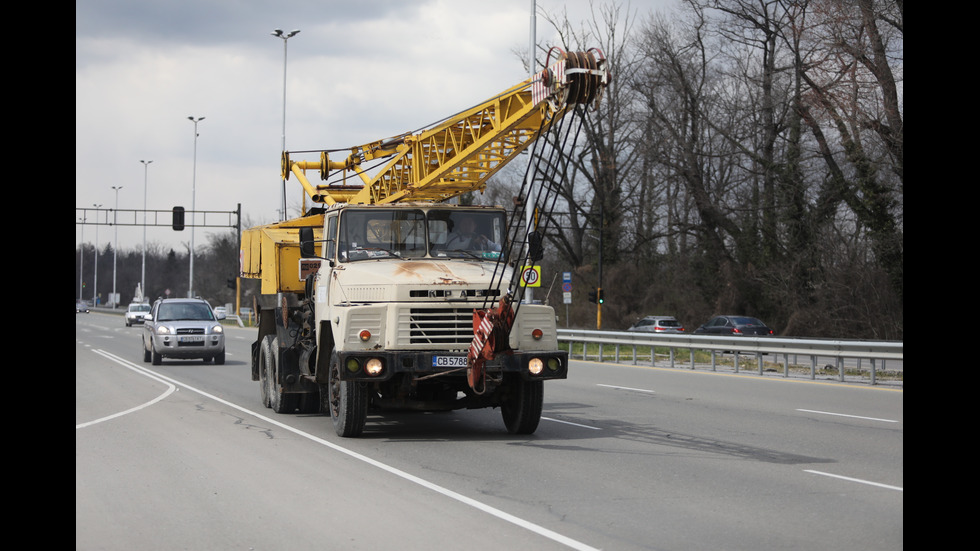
(95, 278)
(529, 202)
(115, 246)
(285, 39)
(146, 165)
(190, 278)
(81, 261)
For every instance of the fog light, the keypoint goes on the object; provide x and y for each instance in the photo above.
(535, 366)
(364, 334)
(537, 334)
(374, 366)
(353, 365)
(554, 364)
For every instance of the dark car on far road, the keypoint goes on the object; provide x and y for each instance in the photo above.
(734, 325)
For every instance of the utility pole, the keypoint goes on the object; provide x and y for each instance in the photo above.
(598, 315)
(190, 276)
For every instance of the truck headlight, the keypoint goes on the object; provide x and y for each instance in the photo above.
(535, 366)
(374, 367)
(353, 365)
(554, 364)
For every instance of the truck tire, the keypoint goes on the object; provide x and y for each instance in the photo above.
(146, 353)
(220, 358)
(155, 357)
(265, 358)
(347, 402)
(522, 409)
(279, 401)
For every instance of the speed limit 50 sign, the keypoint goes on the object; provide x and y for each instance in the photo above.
(530, 276)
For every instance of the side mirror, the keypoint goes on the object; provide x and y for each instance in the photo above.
(306, 248)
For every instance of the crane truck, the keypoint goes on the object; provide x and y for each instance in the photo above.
(390, 296)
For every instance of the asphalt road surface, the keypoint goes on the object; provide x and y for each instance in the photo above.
(184, 456)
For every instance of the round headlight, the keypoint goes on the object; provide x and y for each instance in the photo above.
(535, 366)
(353, 365)
(217, 329)
(374, 367)
(554, 364)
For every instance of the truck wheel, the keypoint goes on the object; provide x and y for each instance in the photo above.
(279, 401)
(265, 358)
(522, 408)
(347, 402)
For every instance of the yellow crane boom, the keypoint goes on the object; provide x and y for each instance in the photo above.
(459, 154)
(450, 158)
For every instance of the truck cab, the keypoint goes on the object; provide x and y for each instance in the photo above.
(388, 317)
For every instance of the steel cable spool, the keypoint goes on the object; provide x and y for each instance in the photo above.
(584, 80)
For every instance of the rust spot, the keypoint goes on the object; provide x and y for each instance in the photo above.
(438, 273)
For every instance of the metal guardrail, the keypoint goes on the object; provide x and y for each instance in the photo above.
(838, 351)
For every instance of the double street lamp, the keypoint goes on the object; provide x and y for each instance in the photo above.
(190, 280)
(115, 246)
(285, 39)
(95, 277)
(146, 165)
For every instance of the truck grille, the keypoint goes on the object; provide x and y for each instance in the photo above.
(440, 327)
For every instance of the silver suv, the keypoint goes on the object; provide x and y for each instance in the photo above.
(658, 324)
(184, 328)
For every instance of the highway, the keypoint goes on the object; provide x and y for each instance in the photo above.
(184, 456)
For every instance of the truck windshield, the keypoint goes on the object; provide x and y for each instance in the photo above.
(371, 234)
(466, 233)
(381, 233)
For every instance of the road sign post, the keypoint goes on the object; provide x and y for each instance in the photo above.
(566, 292)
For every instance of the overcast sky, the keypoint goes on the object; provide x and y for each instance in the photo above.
(358, 71)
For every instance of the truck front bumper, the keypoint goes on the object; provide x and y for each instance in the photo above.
(380, 365)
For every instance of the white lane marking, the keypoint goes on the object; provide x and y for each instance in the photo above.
(899, 488)
(846, 415)
(627, 388)
(493, 511)
(570, 423)
(170, 390)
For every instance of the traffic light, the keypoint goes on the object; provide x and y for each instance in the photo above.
(593, 296)
(178, 218)
(599, 295)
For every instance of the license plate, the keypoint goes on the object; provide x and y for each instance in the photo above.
(192, 338)
(448, 361)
